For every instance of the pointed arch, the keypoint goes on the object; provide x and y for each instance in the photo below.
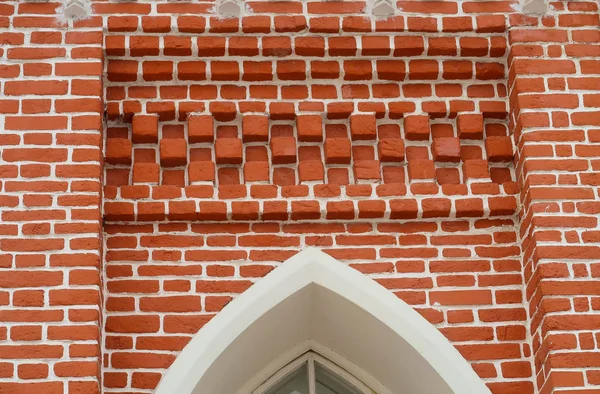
(315, 301)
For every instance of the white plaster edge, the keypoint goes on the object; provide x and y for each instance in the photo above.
(535, 7)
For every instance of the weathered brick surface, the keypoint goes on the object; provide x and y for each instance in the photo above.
(449, 152)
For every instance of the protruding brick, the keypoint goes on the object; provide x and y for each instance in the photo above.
(363, 127)
(475, 169)
(470, 126)
(340, 210)
(337, 150)
(421, 169)
(191, 71)
(371, 209)
(255, 128)
(391, 150)
(283, 150)
(223, 111)
(201, 129)
(146, 173)
(145, 129)
(416, 127)
(436, 207)
(256, 171)
(150, 210)
(367, 169)
(244, 210)
(282, 111)
(212, 210)
(118, 151)
(228, 150)
(469, 207)
(499, 149)
(310, 128)
(394, 70)
(173, 152)
(275, 210)
(311, 170)
(302, 210)
(446, 149)
(500, 206)
(404, 209)
(201, 171)
(118, 210)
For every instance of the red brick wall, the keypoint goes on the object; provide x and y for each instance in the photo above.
(554, 70)
(233, 143)
(51, 104)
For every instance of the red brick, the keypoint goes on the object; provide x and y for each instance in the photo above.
(310, 128)
(403, 209)
(201, 171)
(499, 149)
(475, 169)
(173, 152)
(145, 129)
(337, 150)
(367, 169)
(421, 169)
(416, 127)
(200, 129)
(311, 170)
(363, 127)
(146, 173)
(255, 128)
(283, 150)
(302, 210)
(32, 371)
(446, 149)
(118, 151)
(470, 126)
(228, 151)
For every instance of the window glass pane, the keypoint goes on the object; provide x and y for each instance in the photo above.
(330, 383)
(295, 382)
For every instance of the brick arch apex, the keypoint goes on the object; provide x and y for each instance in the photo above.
(313, 298)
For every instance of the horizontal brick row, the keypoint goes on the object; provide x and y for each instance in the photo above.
(258, 149)
(298, 70)
(302, 209)
(227, 192)
(306, 46)
(353, 98)
(297, 19)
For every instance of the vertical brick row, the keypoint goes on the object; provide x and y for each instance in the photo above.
(555, 118)
(51, 117)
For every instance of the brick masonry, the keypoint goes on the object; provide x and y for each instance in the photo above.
(156, 160)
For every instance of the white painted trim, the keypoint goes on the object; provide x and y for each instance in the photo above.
(76, 9)
(534, 6)
(288, 357)
(282, 373)
(310, 357)
(309, 267)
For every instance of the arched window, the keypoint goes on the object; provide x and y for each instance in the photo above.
(312, 373)
(314, 324)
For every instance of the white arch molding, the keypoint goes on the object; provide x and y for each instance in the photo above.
(313, 301)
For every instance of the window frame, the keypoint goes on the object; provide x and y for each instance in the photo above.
(310, 357)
